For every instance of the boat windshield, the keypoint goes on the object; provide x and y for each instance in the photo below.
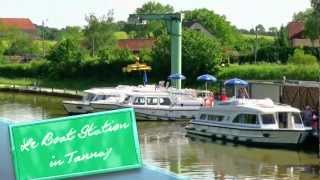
(297, 118)
(88, 97)
(268, 119)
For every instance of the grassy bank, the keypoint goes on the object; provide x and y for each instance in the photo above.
(270, 72)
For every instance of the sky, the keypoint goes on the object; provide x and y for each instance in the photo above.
(241, 13)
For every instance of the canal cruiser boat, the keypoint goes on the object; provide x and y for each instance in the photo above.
(161, 105)
(83, 106)
(113, 103)
(252, 121)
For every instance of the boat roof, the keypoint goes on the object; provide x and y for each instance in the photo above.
(252, 106)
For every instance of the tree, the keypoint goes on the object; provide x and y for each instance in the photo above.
(282, 37)
(206, 58)
(312, 27)
(22, 45)
(273, 30)
(152, 28)
(316, 5)
(71, 32)
(217, 25)
(152, 7)
(260, 29)
(67, 50)
(99, 32)
(303, 15)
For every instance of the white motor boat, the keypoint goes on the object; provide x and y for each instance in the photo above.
(255, 121)
(83, 106)
(161, 105)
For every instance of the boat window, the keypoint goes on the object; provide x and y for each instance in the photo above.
(203, 116)
(89, 97)
(268, 119)
(100, 97)
(139, 101)
(246, 119)
(297, 118)
(215, 118)
(165, 101)
(283, 119)
(152, 100)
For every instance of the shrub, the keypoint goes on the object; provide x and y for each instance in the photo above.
(299, 57)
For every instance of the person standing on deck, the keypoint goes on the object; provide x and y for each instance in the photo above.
(307, 116)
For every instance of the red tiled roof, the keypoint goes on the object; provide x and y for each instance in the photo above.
(20, 23)
(295, 30)
(136, 44)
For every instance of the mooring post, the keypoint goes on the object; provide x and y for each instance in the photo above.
(318, 127)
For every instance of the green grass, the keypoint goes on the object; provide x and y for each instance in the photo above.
(121, 35)
(252, 36)
(17, 81)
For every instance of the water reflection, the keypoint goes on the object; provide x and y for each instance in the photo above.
(164, 144)
(26, 107)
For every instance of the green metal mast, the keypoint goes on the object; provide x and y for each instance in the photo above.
(174, 28)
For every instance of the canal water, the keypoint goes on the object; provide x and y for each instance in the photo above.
(165, 145)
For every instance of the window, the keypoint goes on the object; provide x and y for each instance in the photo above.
(246, 119)
(283, 119)
(89, 97)
(268, 119)
(215, 118)
(100, 97)
(152, 101)
(126, 100)
(165, 101)
(139, 101)
(297, 118)
(203, 116)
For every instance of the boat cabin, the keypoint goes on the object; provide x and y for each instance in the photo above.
(252, 114)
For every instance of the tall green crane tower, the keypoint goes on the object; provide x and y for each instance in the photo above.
(174, 28)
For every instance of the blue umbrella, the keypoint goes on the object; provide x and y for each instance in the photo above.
(176, 76)
(207, 78)
(235, 82)
(145, 78)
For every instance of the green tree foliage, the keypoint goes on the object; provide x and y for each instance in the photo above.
(71, 32)
(47, 33)
(67, 50)
(282, 39)
(217, 25)
(22, 45)
(316, 5)
(99, 32)
(200, 54)
(152, 28)
(303, 15)
(260, 29)
(299, 57)
(65, 58)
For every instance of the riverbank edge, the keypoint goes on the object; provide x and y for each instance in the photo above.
(42, 91)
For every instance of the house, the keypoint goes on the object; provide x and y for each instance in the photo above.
(23, 24)
(194, 25)
(297, 36)
(136, 45)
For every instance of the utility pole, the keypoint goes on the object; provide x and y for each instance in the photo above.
(43, 52)
(256, 46)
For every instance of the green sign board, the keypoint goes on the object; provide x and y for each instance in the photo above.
(76, 145)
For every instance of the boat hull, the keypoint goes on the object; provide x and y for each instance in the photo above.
(75, 107)
(279, 137)
(167, 114)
